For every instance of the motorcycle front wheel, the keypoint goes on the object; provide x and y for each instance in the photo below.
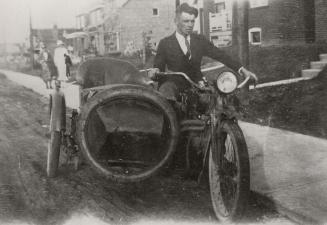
(229, 173)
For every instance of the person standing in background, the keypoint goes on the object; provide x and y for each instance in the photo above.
(68, 63)
(43, 59)
(59, 60)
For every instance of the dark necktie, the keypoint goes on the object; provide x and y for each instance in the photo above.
(188, 53)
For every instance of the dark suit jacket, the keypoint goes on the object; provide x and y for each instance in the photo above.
(170, 55)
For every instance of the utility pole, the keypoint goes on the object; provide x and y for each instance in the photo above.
(177, 2)
(208, 7)
(5, 44)
(144, 40)
(240, 39)
(31, 39)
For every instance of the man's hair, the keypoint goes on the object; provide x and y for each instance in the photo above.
(187, 9)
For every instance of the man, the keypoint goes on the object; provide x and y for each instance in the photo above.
(59, 60)
(183, 52)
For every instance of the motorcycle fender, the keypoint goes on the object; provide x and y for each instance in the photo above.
(57, 108)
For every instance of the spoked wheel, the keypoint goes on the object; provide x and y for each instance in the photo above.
(57, 109)
(229, 173)
(53, 153)
(127, 132)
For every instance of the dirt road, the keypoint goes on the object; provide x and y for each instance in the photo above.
(27, 195)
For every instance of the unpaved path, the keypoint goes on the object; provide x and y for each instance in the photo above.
(26, 194)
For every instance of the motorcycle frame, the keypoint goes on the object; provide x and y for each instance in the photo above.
(218, 113)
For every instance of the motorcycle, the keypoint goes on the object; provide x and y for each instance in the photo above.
(207, 116)
(130, 132)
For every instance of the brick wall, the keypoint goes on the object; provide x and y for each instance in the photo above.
(321, 20)
(136, 17)
(278, 62)
(282, 21)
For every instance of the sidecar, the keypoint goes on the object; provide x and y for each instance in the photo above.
(123, 127)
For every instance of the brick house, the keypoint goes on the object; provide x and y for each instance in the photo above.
(117, 26)
(286, 36)
(129, 22)
(90, 37)
(275, 22)
(320, 20)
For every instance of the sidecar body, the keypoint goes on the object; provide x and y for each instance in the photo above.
(125, 129)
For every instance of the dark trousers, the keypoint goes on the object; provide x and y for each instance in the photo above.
(171, 88)
(67, 70)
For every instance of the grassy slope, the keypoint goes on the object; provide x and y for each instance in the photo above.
(299, 107)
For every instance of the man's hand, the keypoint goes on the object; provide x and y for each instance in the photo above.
(246, 73)
(152, 72)
(201, 83)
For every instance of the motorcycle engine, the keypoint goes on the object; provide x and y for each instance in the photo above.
(195, 104)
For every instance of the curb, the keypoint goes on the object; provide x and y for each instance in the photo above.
(291, 214)
(280, 82)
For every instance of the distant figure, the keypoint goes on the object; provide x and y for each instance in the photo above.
(45, 74)
(43, 59)
(59, 60)
(68, 63)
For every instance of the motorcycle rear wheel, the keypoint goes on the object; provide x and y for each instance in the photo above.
(229, 182)
(53, 153)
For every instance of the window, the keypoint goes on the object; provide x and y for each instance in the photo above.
(255, 36)
(258, 3)
(111, 42)
(213, 38)
(219, 7)
(155, 12)
(229, 25)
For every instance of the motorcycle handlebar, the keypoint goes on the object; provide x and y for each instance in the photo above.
(186, 78)
(243, 83)
(195, 84)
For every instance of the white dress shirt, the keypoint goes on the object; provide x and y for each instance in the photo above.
(181, 41)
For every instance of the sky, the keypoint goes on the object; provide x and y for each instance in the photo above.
(14, 16)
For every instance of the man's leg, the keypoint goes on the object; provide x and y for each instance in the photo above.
(170, 90)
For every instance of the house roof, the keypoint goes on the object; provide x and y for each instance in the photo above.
(121, 3)
(116, 4)
(49, 35)
(96, 6)
(90, 7)
(75, 35)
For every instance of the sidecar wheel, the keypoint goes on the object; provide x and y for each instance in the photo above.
(53, 153)
(229, 186)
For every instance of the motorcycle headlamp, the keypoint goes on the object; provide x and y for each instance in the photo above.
(227, 82)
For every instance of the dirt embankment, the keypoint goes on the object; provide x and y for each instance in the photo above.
(299, 107)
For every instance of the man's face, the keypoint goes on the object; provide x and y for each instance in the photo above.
(185, 23)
